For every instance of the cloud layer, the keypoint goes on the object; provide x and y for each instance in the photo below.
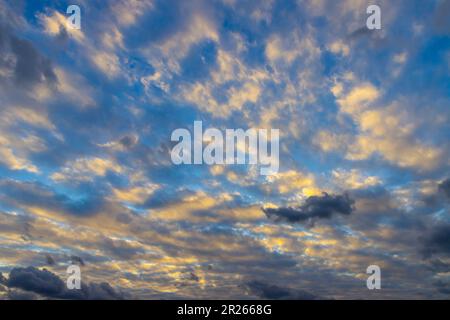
(86, 176)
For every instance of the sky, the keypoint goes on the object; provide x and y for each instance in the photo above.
(86, 176)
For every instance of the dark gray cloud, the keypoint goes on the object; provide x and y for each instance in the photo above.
(121, 249)
(26, 65)
(49, 259)
(269, 291)
(31, 67)
(442, 17)
(124, 218)
(47, 284)
(21, 295)
(32, 193)
(360, 32)
(39, 281)
(315, 207)
(438, 266)
(94, 291)
(437, 241)
(442, 287)
(192, 276)
(78, 260)
(445, 187)
(129, 141)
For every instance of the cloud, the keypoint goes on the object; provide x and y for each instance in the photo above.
(441, 17)
(21, 61)
(17, 294)
(125, 143)
(315, 207)
(55, 24)
(291, 181)
(136, 195)
(437, 241)
(39, 281)
(286, 49)
(445, 187)
(21, 135)
(49, 259)
(125, 250)
(37, 118)
(104, 58)
(439, 267)
(358, 98)
(47, 284)
(339, 47)
(442, 287)
(107, 62)
(354, 179)
(42, 198)
(329, 141)
(388, 131)
(30, 66)
(15, 162)
(74, 88)
(76, 259)
(84, 169)
(400, 58)
(273, 292)
(107, 191)
(128, 11)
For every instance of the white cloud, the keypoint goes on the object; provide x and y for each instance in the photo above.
(353, 179)
(339, 47)
(85, 169)
(388, 131)
(56, 22)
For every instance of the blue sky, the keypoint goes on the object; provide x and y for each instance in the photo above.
(85, 167)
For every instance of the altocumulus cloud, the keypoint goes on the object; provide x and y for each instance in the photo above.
(315, 207)
(445, 187)
(269, 291)
(437, 241)
(85, 126)
(38, 194)
(30, 66)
